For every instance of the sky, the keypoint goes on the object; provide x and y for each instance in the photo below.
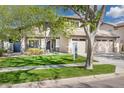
(114, 14)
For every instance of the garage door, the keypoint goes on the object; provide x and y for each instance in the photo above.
(104, 46)
(81, 45)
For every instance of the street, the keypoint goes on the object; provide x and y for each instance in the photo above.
(117, 82)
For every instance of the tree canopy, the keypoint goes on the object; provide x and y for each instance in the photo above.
(91, 19)
(16, 21)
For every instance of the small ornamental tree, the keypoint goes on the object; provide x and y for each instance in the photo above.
(41, 16)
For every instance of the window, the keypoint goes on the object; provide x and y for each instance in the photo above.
(57, 42)
(33, 43)
(98, 40)
(82, 39)
(116, 28)
(110, 30)
(74, 39)
(43, 43)
(104, 40)
(110, 40)
(78, 39)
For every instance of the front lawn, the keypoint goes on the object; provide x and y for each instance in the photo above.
(39, 60)
(66, 72)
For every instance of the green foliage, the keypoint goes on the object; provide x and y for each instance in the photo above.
(17, 21)
(89, 15)
(2, 51)
(65, 72)
(39, 60)
(61, 26)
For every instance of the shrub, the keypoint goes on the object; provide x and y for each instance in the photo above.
(1, 51)
(34, 51)
(5, 51)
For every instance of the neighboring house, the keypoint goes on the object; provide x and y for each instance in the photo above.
(119, 30)
(107, 40)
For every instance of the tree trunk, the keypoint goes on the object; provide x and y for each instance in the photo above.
(88, 64)
(91, 39)
(90, 48)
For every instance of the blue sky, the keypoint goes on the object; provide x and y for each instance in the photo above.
(114, 14)
(110, 18)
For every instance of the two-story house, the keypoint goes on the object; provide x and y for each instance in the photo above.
(106, 39)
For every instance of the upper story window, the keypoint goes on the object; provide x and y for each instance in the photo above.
(110, 30)
(115, 28)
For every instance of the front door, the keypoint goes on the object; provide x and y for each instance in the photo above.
(48, 45)
(51, 45)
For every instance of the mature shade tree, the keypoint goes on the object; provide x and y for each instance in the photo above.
(91, 19)
(21, 22)
(18, 21)
(23, 19)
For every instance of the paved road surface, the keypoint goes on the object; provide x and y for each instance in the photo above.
(108, 83)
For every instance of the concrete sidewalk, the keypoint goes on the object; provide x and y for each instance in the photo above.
(9, 69)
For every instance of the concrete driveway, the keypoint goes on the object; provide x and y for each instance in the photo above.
(111, 58)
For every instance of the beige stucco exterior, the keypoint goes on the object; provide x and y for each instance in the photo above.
(105, 40)
(120, 32)
(63, 44)
(107, 27)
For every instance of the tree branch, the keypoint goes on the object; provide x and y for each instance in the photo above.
(77, 13)
(100, 20)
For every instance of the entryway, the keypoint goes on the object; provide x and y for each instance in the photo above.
(51, 45)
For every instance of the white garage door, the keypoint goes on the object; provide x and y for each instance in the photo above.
(104, 46)
(81, 46)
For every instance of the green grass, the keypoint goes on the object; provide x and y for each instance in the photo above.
(66, 72)
(39, 60)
